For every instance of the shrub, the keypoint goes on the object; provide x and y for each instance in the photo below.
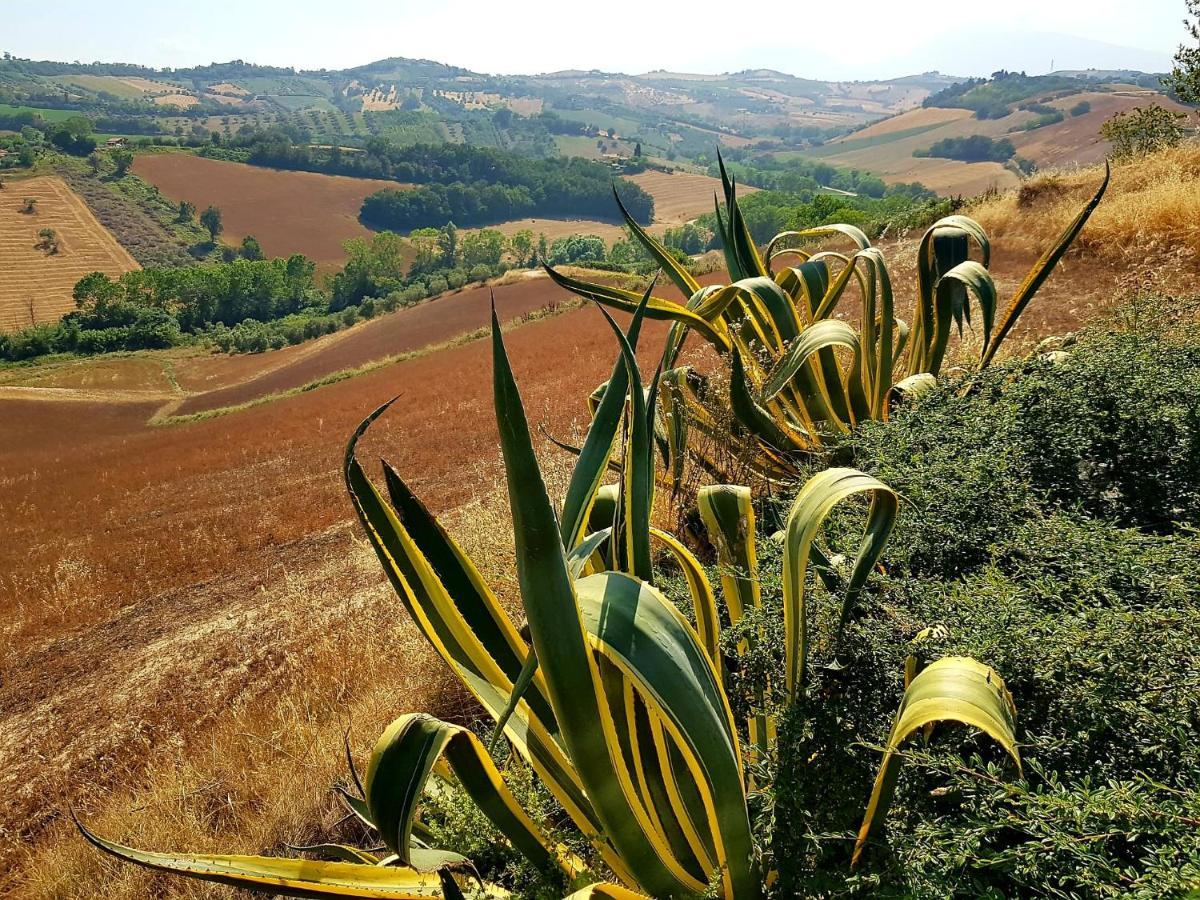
(1012, 552)
(1110, 429)
(1143, 130)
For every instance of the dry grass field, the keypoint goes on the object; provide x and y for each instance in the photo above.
(557, 228)
(679, 196)
(289, 212)
(179, 100)
(189, 620)
(36, 285)
(915, 118)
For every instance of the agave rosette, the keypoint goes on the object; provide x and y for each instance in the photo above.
(613, 698)
(799, 375)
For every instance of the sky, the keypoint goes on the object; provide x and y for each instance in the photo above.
(865, 39)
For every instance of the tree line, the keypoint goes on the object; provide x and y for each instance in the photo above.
(467, 185)
(973, 148)
(252, 304)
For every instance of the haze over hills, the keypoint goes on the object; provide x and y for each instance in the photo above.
(407, 100)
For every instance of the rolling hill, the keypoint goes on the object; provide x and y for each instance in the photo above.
(887, 147)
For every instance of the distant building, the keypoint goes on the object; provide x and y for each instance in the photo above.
(115, 142)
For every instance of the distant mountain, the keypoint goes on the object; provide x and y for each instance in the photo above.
(985, 50)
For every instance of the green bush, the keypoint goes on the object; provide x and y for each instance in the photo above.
(1048, 529)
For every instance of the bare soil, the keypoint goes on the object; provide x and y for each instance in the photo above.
(288, 212)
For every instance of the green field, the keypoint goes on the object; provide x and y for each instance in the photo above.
(571, 145)
(106, 83)
(836, 149)
(50, 115)
(624, 126)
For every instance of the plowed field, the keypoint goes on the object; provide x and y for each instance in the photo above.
(289, 212)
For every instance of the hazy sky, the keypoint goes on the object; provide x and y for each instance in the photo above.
(863, 39)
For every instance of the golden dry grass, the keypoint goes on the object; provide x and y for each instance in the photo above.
(914, 118)
(679, 196)
(558, 228)
(342, 655)
(180, 100)
(36, 284)
(1150, 208)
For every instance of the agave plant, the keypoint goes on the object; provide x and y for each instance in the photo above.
(615, 701)
(798, 375)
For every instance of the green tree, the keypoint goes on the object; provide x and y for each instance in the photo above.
(1184, 79)
(187, 211)
(521, 245)
(637, 149)
(425, 245)
(576, 248)
(626, 252)
(483, 248)
(1142, 130)
(95, 163)
(251, 248)
(448, 243)
(96, 292)
(122, 159)
(211, 220)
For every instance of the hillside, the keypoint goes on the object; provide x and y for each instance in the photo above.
(192, 621)
(288, 212)
(671, 114)
(887, 147)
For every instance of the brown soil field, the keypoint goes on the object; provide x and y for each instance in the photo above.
(1076, 140)
(289, 212)
(130, 586)
(1073, 141)
(403, 332)
(30, 274)
(679, 196)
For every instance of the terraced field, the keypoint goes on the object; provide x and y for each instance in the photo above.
(37, 283)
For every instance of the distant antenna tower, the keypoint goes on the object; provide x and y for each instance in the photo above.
(1052, 64)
